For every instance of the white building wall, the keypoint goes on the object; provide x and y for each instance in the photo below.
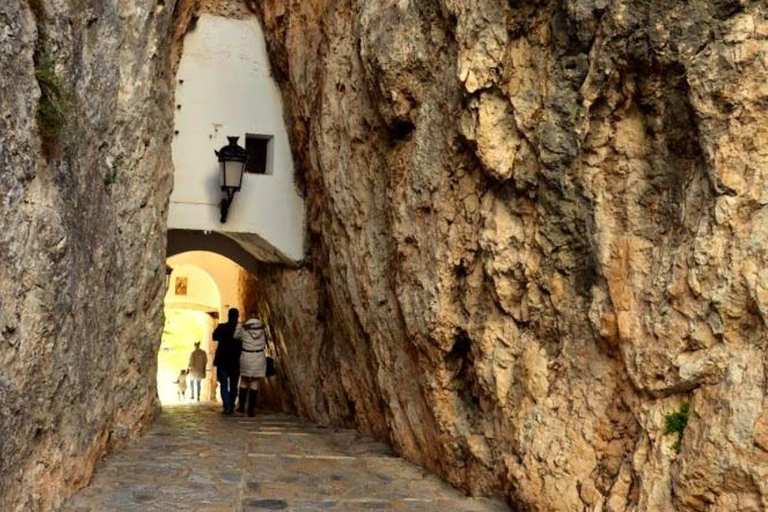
(224, 88)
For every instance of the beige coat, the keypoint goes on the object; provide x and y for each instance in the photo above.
(198, 361)
(253, 360)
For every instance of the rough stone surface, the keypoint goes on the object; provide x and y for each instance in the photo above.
(82, 235)
(198, 461)
(537, 228)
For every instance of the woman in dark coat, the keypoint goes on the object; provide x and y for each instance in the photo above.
(227, 360)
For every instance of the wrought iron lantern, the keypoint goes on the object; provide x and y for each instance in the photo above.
(232, 158)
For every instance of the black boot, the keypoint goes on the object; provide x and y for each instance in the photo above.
(241, 399)
(253, 395)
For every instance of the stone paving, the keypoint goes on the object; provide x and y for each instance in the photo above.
(195, 460)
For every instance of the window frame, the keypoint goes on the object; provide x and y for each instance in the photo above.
(269, 158)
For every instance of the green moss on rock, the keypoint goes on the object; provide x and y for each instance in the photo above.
(675, 423)
(51, 107)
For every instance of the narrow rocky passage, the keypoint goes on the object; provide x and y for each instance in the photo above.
(195, 460)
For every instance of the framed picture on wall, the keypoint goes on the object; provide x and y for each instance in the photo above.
(181, 286)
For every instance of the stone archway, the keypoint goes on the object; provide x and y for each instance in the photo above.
(187, 240)
(225, 278)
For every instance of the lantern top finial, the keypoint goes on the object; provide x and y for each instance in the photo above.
(232, 152)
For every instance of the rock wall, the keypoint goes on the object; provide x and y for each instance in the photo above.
(85, 174)
(537, 232)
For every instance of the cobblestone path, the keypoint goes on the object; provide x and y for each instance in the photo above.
(195, 460)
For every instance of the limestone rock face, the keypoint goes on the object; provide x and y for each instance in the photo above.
(85, 174)
(536, 229)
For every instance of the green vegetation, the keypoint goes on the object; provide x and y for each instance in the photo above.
(51, 108)
(675, 423)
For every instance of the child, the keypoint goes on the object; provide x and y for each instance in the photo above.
(182, 382)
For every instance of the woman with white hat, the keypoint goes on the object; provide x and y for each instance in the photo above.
(253, 362)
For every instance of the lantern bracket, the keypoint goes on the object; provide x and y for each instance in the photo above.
(226, 202)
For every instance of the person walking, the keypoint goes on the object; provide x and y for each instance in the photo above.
(227, 360)
(198, 361)
(181, 382)
(253, 362)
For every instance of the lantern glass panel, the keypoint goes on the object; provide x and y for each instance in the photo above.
(232, 174)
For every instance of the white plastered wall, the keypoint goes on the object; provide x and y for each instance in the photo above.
(224, 88)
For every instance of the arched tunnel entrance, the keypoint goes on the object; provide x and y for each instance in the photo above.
(209, 273)
(193, 304)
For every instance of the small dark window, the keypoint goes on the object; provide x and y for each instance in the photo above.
(257, 147)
